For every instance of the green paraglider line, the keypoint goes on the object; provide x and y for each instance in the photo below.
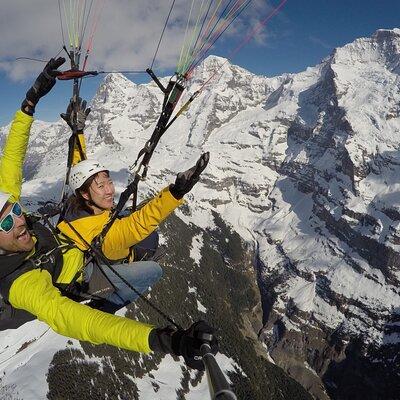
(225, 19)
(186, 58)
(209, 30)
(219, 32)
(200, 31)
(61, 24)
(261, 24)
(178, 68)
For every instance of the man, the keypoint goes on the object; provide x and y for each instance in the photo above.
(33, 261)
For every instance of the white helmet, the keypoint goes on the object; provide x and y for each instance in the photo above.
(4, 197)
(82, 171)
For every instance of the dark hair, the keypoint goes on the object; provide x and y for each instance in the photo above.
(77, 202)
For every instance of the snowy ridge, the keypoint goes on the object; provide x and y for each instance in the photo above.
(25, 359)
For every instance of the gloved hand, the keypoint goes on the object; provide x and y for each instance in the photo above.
(49, 209)
(184, 343)
(81, 114)
(186, 180)
(43, 84)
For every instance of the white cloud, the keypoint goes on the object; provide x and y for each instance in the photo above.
(126, 37)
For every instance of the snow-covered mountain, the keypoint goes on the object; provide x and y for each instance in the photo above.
(204, 254)
(302, 183)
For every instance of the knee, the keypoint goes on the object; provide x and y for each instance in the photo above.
(156, 269)
(149, 270)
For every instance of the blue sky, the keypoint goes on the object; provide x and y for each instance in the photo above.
(301, 35)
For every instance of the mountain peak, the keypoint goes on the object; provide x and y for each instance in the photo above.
(115, 77)
(215, 61)
(117, 82)
(386, 33)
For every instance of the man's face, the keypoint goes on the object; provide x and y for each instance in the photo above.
(18, 239)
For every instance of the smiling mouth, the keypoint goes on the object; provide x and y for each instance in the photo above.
(24, 235)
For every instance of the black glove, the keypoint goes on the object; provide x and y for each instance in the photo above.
(49, 209)
(81, 114)
(43, 84)
(184, 343)
(186, 180)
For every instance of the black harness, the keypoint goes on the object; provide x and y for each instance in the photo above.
(47, 256)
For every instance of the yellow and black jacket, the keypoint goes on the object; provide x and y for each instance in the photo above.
(81, 227)
(125, 232)
(35, 290)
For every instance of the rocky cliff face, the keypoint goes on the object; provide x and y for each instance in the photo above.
(330, 261)
(304, 174)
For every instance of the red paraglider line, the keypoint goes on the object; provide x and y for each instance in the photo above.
(258, 27)
(239, 8)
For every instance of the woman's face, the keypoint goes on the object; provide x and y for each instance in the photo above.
(101, 193)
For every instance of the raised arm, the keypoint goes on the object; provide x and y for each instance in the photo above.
(130, 230)
(14, 150)
(13, 156)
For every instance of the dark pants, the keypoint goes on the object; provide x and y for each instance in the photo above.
(146, 249)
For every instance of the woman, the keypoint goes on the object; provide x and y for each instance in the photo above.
(89, 208)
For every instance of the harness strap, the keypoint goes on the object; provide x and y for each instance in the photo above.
(100, 258)
(46, 257)
(172, 94)
(69, 289)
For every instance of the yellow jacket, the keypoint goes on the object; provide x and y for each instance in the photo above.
(125, 232)
(13, 156)
(33, 291)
